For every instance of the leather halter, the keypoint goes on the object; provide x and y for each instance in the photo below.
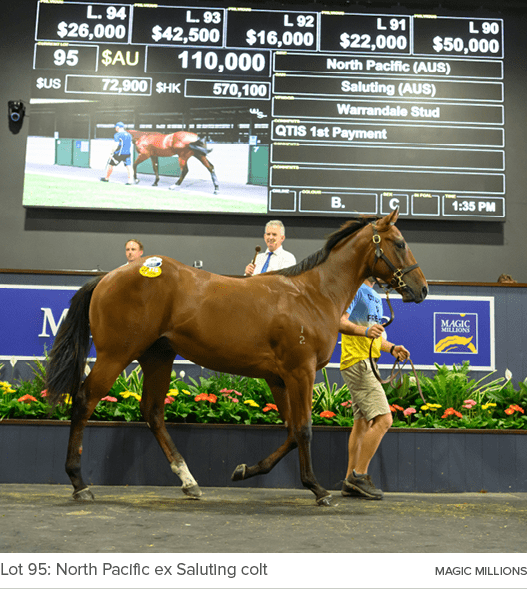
(397, 278)
(395, 282)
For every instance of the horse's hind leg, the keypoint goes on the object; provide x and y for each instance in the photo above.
(157, 366)
(210, 167)
(95, 387)
(137, 161)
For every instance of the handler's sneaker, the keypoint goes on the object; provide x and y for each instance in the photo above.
(361, 485)
(103, 180)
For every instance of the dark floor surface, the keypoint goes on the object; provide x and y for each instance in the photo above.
(144, 519)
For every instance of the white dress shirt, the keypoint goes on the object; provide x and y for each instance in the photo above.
(280, 259)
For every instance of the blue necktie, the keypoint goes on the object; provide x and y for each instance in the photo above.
(266, 264)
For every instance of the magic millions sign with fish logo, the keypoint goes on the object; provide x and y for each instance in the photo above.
(456, 333)
(442, 330)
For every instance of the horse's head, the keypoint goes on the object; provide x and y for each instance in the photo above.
(393, 261)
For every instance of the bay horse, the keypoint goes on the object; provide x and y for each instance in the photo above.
(281, 326)
(151, 144)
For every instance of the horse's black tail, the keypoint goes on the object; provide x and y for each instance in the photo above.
(200, 146)
(67, 359)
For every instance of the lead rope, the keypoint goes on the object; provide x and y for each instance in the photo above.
(393, 374)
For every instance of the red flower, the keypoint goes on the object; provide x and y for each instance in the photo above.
(109, 399)
(169, 400)
(44, 393)
(327, 414)
(409, 411)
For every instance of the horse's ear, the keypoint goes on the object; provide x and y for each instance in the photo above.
(388, 220)
(391, 218)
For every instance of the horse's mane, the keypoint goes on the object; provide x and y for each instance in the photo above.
(318, 257)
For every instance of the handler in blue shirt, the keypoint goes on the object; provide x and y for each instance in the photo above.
(121, 152)
(372, 416)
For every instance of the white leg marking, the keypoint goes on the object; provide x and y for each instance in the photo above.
(184, 474)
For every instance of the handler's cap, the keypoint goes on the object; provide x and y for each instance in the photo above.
(119, 124)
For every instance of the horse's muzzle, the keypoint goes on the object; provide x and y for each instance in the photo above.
(417, 296)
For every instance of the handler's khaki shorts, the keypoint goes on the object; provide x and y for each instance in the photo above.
(367, 395)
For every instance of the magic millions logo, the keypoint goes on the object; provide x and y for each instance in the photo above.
(455, 333)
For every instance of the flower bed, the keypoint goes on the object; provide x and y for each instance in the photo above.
(453, 400)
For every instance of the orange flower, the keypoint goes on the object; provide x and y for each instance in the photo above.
(517, 408)
(207, 397)
(27, 398)
(327, 414)
(269, 406)
(509, 411)
(451, 411)
(395, 407)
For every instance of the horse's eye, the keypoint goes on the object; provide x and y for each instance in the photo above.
(401, 245)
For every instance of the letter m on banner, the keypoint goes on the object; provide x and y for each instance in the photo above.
(49, 319)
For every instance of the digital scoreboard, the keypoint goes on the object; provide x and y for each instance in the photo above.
(307, 112)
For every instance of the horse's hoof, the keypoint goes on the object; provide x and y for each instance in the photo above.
(83, 495)
(137, 181)
(324, 501)
(173, 187)
(239, 472)
(216, 192)
(193, 491)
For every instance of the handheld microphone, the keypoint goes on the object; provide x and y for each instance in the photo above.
(257, 250)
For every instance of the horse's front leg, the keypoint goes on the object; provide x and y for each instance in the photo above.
(242, 472)
(299, 383)
(184, 170)
(298, 423)
(155, 166)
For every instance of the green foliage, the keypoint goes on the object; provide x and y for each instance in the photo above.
(331, 404)
(453, 400)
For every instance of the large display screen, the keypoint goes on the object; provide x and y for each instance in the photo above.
(286, 112)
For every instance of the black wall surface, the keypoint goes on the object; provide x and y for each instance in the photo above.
(68, 239)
